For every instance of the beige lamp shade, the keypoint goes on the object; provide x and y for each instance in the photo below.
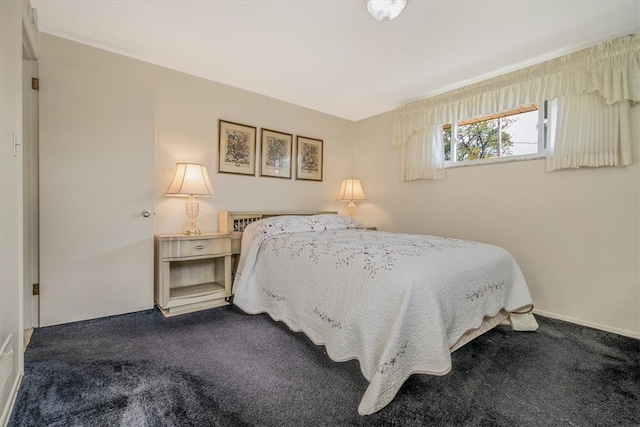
(351, 189)
(190, 179)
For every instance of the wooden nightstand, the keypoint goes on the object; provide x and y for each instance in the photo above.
(192, 272)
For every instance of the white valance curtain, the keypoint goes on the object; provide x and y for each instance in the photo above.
(608, 72)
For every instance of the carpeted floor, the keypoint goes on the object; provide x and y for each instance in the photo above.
(221, 367)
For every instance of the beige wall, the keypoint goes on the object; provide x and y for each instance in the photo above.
(574, 233)
(187, 110)
(186, 129)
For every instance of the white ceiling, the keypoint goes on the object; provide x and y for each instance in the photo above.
(331, 55)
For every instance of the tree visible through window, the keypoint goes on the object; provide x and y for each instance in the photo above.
(509, 133)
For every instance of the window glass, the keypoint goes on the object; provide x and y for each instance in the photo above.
(505, 134)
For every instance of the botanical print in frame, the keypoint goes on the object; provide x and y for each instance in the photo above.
(275, 152)
(309, 158)
(237, 148)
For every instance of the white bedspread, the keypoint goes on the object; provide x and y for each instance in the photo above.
(396, 302)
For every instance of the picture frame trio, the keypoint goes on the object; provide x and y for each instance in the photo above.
(237, 152)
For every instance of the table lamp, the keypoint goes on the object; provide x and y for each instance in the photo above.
(191, 180)
(351, 190)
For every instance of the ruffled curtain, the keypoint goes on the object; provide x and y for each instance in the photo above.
(588, 132)
(424, 147)
(611, 69)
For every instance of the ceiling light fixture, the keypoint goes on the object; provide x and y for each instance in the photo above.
(385, 10)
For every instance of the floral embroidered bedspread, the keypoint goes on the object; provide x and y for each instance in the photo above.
(396, 302)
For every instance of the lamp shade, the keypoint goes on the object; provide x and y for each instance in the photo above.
(351, 189)
(385, 10)
(190, 179)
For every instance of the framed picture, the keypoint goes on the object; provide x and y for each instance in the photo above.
(275, 153)
(309, 158)
(237, 148)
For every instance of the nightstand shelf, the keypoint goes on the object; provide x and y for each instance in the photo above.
(194, 291)
(192, 272)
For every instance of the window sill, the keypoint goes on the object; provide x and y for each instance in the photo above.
(451, 165)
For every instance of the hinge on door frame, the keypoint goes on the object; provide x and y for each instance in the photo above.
(35, 83)
(36, 289)
(16, 144)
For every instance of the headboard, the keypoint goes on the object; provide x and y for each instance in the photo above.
(234, 223)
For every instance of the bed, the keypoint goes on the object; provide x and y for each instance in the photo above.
(398, 303)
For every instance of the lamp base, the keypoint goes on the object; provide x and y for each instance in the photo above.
(193, 209)
(351, 209)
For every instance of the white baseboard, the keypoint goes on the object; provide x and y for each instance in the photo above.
(618, 331)
(6, 412)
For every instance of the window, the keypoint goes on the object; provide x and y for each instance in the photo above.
(516, 133)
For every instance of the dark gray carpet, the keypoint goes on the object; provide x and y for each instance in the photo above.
(221, 367)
